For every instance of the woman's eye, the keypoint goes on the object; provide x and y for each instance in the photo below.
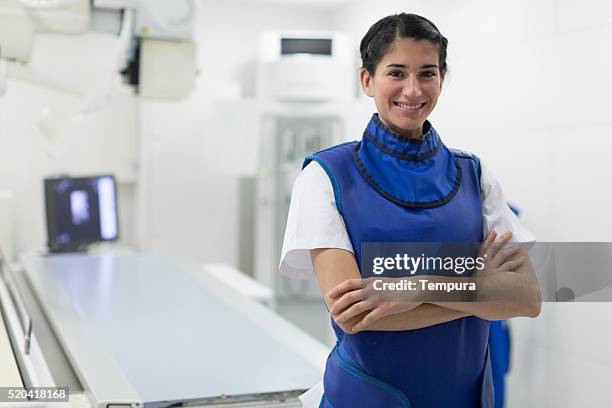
(428, 74)
(396, 74)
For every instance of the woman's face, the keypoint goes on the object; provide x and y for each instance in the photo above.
(405, 86)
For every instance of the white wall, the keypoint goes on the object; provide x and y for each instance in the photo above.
(70, 116)
(195, 209)
(528, 91)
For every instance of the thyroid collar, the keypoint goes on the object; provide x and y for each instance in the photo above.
(413, 173)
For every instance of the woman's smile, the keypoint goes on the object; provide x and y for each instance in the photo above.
(410, 107)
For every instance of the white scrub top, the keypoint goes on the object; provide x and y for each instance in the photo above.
(314, 222)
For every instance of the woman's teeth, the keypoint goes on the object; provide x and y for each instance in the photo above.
(409, 107)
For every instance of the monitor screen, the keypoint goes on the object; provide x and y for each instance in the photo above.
(80, 211)
(316, 46)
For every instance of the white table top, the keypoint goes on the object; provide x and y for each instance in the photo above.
(138, 327)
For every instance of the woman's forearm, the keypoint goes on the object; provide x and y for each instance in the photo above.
(495, 310)
(504, 295)
(422, 316)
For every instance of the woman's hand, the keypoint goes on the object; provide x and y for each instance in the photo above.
(355, 309)
(499, 258)
(506, 287)
(498, 255)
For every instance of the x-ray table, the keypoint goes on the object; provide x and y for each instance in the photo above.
(140, 330)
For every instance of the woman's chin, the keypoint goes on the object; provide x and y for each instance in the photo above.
(408, 126)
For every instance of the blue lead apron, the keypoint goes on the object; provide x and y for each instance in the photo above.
(393, 189)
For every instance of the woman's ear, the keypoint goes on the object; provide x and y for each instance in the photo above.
(366, 82)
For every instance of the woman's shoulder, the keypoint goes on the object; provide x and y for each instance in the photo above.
(487, 180)
(465, 155)
(312, 171)
(340, 147)
(462, 153)
(312, 181)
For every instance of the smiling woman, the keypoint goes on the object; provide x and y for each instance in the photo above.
(406, 85)
(401, 184)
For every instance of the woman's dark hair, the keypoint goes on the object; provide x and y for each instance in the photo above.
(384, 32)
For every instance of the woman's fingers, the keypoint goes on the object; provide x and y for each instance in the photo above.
(494, 247)
(355, 310)
(517, 256)
(513, 264)
(346, 301)
(344, 287)
(367, 320)
(489, 238)
(504, 255)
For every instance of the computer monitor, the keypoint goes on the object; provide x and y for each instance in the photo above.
(80, 211)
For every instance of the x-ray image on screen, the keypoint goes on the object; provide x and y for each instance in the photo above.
(79, 207)
(80, 211)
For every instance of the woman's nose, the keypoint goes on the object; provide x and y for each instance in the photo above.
(412, 87)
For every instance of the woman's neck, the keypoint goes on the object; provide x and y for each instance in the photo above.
(406, 133)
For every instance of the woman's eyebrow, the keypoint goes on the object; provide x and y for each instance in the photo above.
(406, 66)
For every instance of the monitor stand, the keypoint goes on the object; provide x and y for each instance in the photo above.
(68, 249)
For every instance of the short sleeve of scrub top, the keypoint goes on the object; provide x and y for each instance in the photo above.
(314, 221)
